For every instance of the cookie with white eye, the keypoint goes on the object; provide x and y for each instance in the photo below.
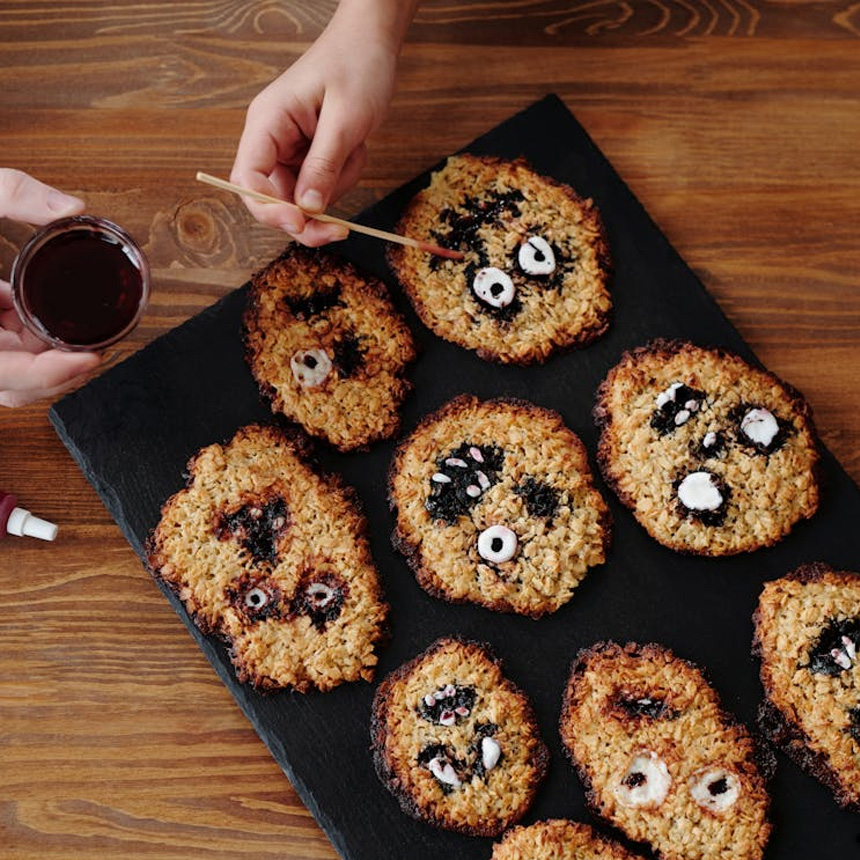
(659, 757)
(807, 634)
(534, 275)
(273, 557)
(712, 455)
(495, 504)
(559, 839)
(327, 348)
(455, 741)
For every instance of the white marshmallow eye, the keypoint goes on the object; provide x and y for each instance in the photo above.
(497, 544)
(320, 595)
(256, 599)
(491, 752)
(444, 771)
(310, 367)
(699, 491)
(715, 789)
(646, 782)
(760, 427)
(536, 256)
(494, 287)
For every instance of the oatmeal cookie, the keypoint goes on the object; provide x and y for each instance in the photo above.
(495, 505)
(807, 634)
(558, 839)
(660, 759)
(273, 557)
(327, 348)
(534, 277)
(455, 741)
(712, 455)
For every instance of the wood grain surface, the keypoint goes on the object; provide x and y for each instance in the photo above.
(736, 124)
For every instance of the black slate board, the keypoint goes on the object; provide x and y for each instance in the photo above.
(133, 429)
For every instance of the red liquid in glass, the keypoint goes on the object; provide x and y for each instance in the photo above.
(82, 287)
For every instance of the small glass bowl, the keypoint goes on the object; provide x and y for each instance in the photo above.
(80, 283)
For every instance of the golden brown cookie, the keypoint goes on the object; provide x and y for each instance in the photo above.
(712, 455)
(327, 347)
(807, 633)
(455, 742)
(558, 839)
(273, 557)
(495, 505)
(659, 757)
(534, 277)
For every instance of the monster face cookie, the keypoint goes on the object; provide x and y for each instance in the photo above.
(558, 839)
(807, 633)
(273, 558)
(658, 756)
(536, 263)
(495, 505)
(455, 741)
(327, 347)
(712, 455)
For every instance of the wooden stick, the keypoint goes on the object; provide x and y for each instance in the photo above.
(331, 219)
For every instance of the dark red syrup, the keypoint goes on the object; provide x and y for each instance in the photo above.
(83, 288)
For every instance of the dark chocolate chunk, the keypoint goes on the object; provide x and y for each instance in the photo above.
(443, 706)
(541, 499)
(450, 499)
(305, 307)
(257, 526)
(634, 779)
(835, 647)
(348, 355)
(671, 414)
(651, 707)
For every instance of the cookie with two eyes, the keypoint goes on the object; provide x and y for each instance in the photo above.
(327, 348)
(558, 839)
(495, 504)
(534, 276)
(807, 634)
(712, 455)
(273, 557)
(659, 757)
(455, 741)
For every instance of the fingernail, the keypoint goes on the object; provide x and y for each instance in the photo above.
(291, 227)
(311, 200)
(60, 203)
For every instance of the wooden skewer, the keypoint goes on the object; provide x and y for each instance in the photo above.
(331, 219)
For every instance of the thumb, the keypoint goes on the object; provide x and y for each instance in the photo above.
(24, 198)
(321, 169)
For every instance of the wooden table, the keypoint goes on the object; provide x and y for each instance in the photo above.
(736, 124)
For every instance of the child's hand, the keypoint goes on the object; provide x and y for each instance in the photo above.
(29, 370)
(304, 134)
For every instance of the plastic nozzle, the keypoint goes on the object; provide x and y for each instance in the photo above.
(23, 524)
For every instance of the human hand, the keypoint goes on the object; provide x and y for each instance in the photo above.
(29, 370)
(304, 134)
